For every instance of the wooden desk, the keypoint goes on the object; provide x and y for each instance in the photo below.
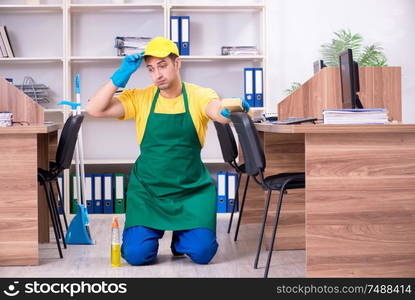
(24, 217)
(356, 217)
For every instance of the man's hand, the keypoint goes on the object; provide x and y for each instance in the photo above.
(225, 112)
(128, 66)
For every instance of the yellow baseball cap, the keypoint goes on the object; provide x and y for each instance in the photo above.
(160, 47)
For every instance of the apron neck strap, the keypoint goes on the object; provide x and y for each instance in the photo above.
(186, 104)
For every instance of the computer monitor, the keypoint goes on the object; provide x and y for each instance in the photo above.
(318, 65)
(349, 80)
(356, 76)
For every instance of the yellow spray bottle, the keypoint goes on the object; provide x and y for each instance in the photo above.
(115, 244)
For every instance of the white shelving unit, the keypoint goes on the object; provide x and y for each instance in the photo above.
(71, 36)
(30, 7)
(31, 59)
(207, 58)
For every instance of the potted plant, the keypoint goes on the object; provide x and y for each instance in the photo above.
(365, 56)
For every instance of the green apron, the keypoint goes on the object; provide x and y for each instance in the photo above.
(169, 187)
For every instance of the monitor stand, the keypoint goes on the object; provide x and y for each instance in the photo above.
(358, 103)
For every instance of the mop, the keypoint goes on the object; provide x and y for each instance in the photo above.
(78, 232)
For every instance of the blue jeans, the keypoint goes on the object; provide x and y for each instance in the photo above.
(140, 244)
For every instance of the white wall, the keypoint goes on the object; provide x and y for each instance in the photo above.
(299, 27)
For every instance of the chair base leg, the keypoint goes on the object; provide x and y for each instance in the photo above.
(61, 202)
(236, 201)
(54, 225)
(57, 217)
(274, 231)
(261, 234)
(241, 209)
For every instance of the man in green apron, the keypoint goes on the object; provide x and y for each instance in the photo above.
(169, 188)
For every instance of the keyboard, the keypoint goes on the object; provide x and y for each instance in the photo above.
(289, 121)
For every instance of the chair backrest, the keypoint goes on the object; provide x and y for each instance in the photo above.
(67, 141)
(227, 142)
(251, 146)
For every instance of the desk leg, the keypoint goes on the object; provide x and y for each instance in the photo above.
(360, 205)
(18, 200)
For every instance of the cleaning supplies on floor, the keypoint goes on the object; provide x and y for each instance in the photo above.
(115, 244)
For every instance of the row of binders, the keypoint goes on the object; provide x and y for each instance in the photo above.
(180, 33)
(6, 49)
(104, 193)
(226, 195)
(253, 86)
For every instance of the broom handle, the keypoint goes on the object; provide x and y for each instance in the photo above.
(80, 146)
(78, 173)
(82, 169)
(81, 165)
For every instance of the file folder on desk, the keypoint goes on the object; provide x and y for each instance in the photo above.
(232, 197)
(88, 194)
(61, 190)
(119, 207)
(108, 200)
(249, 86)
(97, 194)
(259, 96)
(221, 192)
(184, 35)
(175, 30)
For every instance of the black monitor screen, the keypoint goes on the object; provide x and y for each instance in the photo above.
(347, 79)
(356, 76)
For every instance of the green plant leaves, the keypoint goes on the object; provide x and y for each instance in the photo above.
(372, 56)
(293, 87)
(368, 56)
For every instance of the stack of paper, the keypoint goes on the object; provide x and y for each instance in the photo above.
(6, 119)
(127, 45)
(356, 116)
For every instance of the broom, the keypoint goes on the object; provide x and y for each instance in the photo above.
(78, 232)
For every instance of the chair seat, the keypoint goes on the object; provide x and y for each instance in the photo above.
(51, 174)
(275, 182)
(45, 175)
(242, 168)
(53, 165)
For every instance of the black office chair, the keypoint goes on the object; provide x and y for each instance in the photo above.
(64, 155)
(255, 164)
(230, 153)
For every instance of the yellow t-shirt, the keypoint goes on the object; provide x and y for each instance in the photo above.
(137, 105)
